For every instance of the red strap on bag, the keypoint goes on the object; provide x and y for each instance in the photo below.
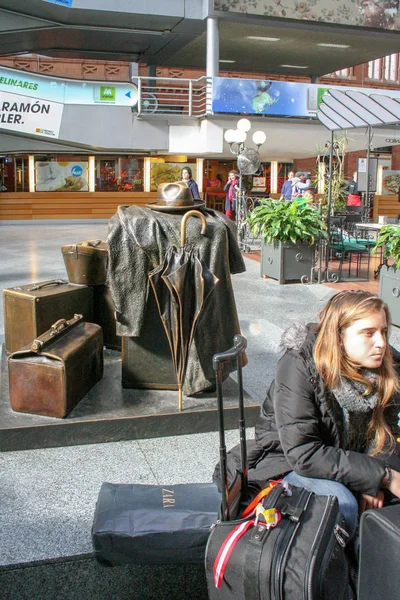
(226, 550)
(252, 506)
(224, 554)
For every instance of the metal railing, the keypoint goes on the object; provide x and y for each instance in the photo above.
(247, 240)
(171, 96)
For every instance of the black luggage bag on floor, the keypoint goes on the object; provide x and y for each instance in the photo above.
(379, 570)
(154, 524)
(284, 544)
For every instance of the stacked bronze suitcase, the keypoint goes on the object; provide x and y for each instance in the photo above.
(86, 264)
(29, 310)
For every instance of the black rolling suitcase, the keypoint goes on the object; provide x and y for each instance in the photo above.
(283, 543)
(379, 570)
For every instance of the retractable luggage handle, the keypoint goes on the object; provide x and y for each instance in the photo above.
(240, 344)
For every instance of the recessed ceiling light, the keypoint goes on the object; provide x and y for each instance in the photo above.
(227, 61)
(327, 45)
(259, 38)
(294, 66)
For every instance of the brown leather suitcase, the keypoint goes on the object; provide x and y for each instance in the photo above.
(147, 360)
(29, 310)
(86, 262)
(52, 375)
(104, 315)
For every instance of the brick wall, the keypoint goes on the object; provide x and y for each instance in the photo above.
(396, 158)
(305, 164)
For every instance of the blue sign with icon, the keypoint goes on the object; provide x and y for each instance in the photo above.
(76, 171)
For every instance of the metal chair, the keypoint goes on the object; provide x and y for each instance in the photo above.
(344, 246)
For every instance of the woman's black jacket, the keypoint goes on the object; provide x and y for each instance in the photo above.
(301, 423)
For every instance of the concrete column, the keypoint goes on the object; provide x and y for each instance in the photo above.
(212, 65)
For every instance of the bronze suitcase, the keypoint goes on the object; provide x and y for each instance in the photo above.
(146, 360)
(104, 315)
(29, 310)
(86, 262)
(52, 375)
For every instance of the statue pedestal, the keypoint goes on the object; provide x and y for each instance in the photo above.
(109, 413)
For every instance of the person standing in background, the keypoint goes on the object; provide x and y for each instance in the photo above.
(301, 183)
(286, 193)
(231, 188)
(354, 197)
(187, 176)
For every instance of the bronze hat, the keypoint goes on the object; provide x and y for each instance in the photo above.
(174, 197)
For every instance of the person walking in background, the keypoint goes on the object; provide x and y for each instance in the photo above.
(187, 176)
(231, 188)
(287, 188)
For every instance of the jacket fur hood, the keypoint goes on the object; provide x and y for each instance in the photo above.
(294, 337)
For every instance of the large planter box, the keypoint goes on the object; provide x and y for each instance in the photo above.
(389, 291)
(287, 262)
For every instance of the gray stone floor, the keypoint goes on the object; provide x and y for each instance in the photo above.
(47, 497)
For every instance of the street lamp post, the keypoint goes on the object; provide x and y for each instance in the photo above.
(248, 161)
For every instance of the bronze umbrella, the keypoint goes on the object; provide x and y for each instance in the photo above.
(181, 285)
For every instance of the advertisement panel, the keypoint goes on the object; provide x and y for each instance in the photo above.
(275, 98)
(168, 172)
(67, 91)
(390, 182)
(61, 176)
(24, 114)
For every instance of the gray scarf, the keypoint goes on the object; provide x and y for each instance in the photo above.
(357, 409)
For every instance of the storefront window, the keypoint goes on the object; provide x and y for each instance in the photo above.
(61, 174)
(20, 174)
(123, 174)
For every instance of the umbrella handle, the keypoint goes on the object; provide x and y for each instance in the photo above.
(192, 213)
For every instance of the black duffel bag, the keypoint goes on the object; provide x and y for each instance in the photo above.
(154, 524)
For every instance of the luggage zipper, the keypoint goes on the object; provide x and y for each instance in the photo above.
(284, 543)
(339, 533)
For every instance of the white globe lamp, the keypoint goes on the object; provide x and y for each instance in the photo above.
(259, 138)
(230, 136)
(244, 125)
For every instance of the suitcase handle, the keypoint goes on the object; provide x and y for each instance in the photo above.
(91, 243)
(58, 329)
(39, 286)
(235, 353)
(58, 326)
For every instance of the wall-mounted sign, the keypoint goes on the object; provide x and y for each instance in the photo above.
(67, 91)
(60, 2)
(24, 114)
(276, 98)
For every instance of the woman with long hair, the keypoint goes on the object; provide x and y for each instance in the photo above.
(231, 187)
(188, 177)
(329, 422)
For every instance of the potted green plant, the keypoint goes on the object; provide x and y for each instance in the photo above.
(388, 242)
(289, 231)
